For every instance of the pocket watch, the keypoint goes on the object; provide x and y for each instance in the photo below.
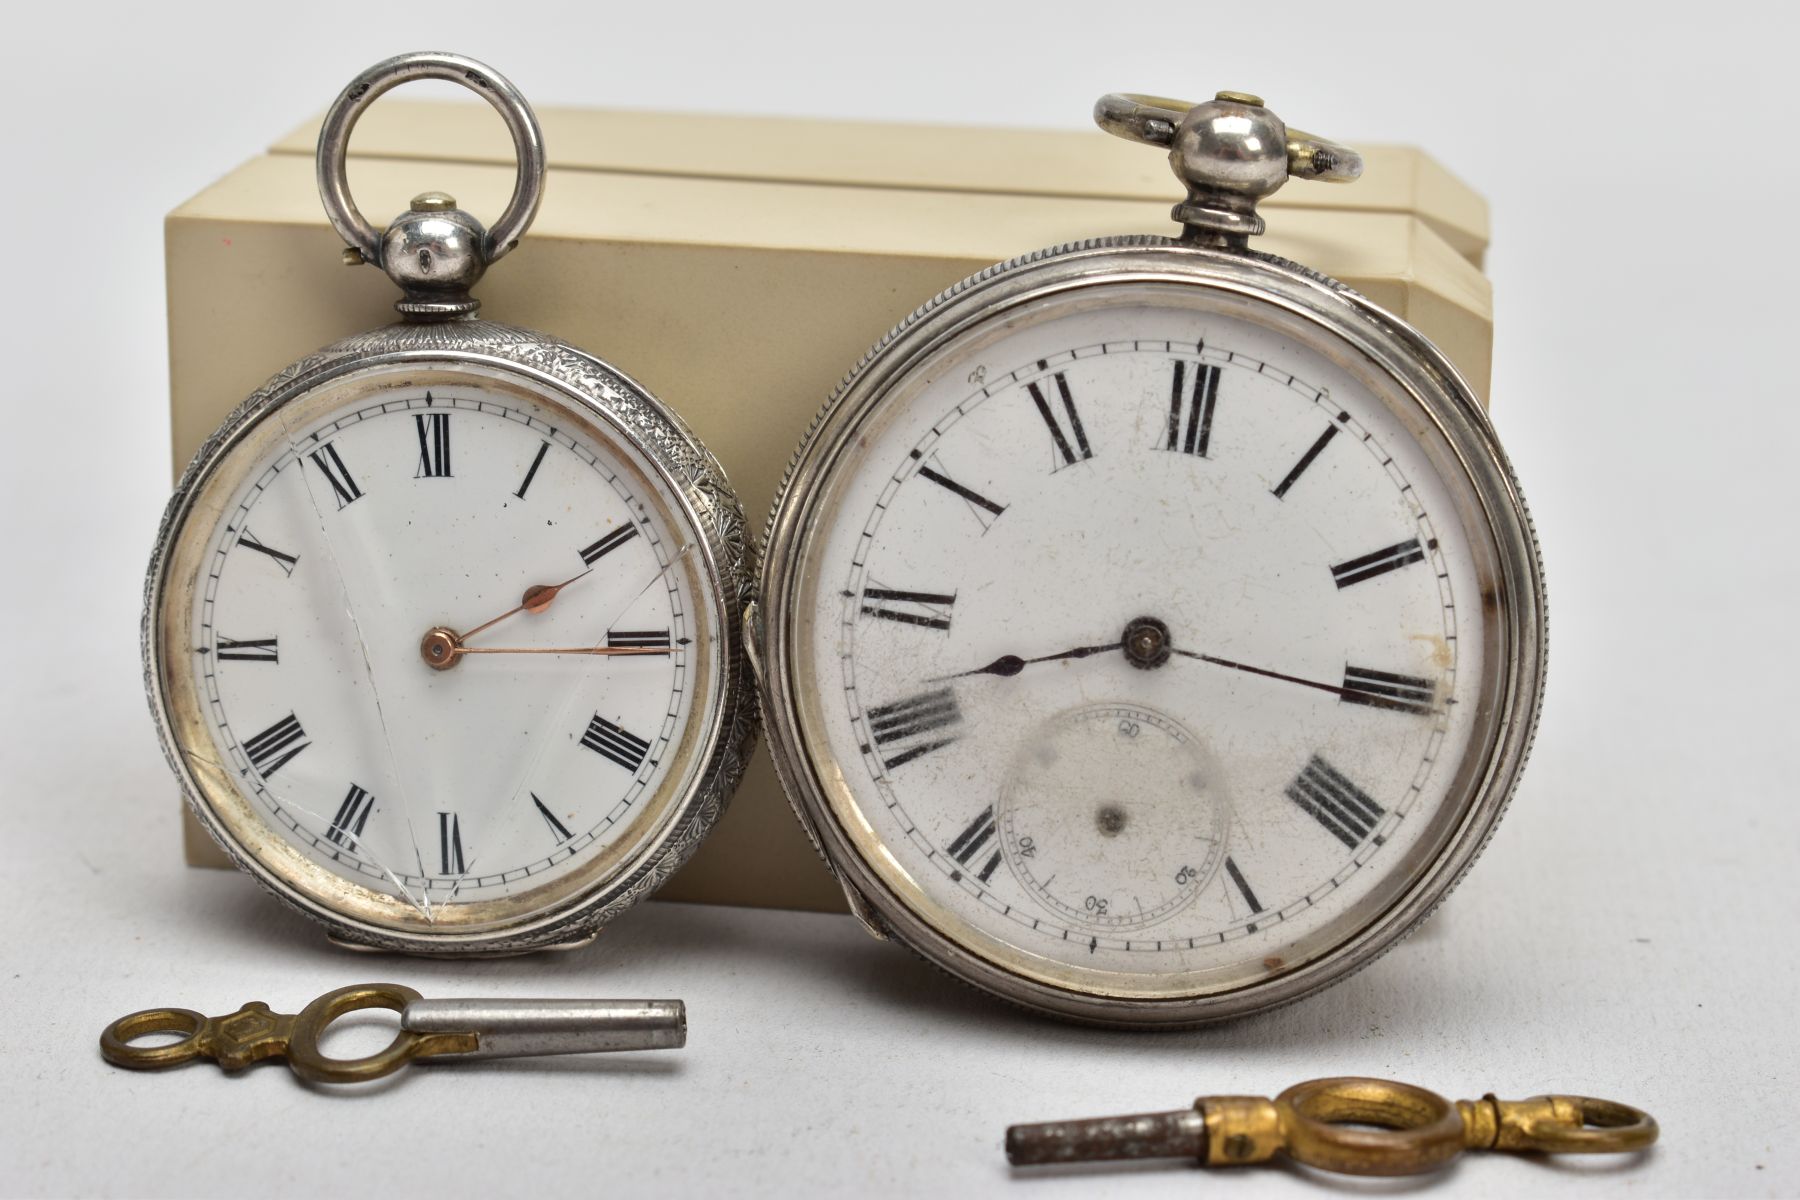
(442, 627)
(1152, 628)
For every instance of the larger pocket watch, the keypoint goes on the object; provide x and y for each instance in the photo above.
(441, 632)
(1153, 630)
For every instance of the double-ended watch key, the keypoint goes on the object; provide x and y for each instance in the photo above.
(430, 1031)
(1350, 1125)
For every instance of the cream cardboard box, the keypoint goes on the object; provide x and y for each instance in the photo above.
(738, 267)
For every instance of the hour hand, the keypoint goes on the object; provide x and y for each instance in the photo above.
(536, 599)
(1008, 665)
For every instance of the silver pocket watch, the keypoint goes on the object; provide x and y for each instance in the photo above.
(1152, 629)
(442, 628)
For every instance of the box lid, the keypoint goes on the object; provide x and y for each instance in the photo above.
(1392, 257)
(946, 158)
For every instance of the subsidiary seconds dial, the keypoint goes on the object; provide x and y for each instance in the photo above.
(1076, 833)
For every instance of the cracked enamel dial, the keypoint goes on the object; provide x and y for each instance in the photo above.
(1142, 646)
(443, 651)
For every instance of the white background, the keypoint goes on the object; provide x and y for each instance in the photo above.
(1630, 932)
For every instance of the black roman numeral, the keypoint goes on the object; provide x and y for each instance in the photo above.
(1070, 454)
(1197, 436)
(255, 650)
(276, 746)
(287, 562)
(1243, 885)
(1306, 460)
(914, 720)
(985, 510)
(332, 467)
(531, 471)
(608, 544)
(1345, 810)
(434, 444)
(558, 830)
(1386, 559)
(972, 839)
(650, 639)
(1384, 689)
(450, 847)
(352, 815)
(929, 610)
(619, 744)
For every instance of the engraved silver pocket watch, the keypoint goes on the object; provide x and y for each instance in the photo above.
(441, 631)
(1152, 628)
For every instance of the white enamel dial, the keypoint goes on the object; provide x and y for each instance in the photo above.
(390, 647)
(1147, 641)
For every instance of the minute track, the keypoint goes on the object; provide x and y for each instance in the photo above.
(312, 818)
(1016, 668)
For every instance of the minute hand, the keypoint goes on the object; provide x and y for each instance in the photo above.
(612, 651)
(1334, 689)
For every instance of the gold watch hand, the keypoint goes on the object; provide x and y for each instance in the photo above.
(604, 650)
(441, 649)
(536, 599)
